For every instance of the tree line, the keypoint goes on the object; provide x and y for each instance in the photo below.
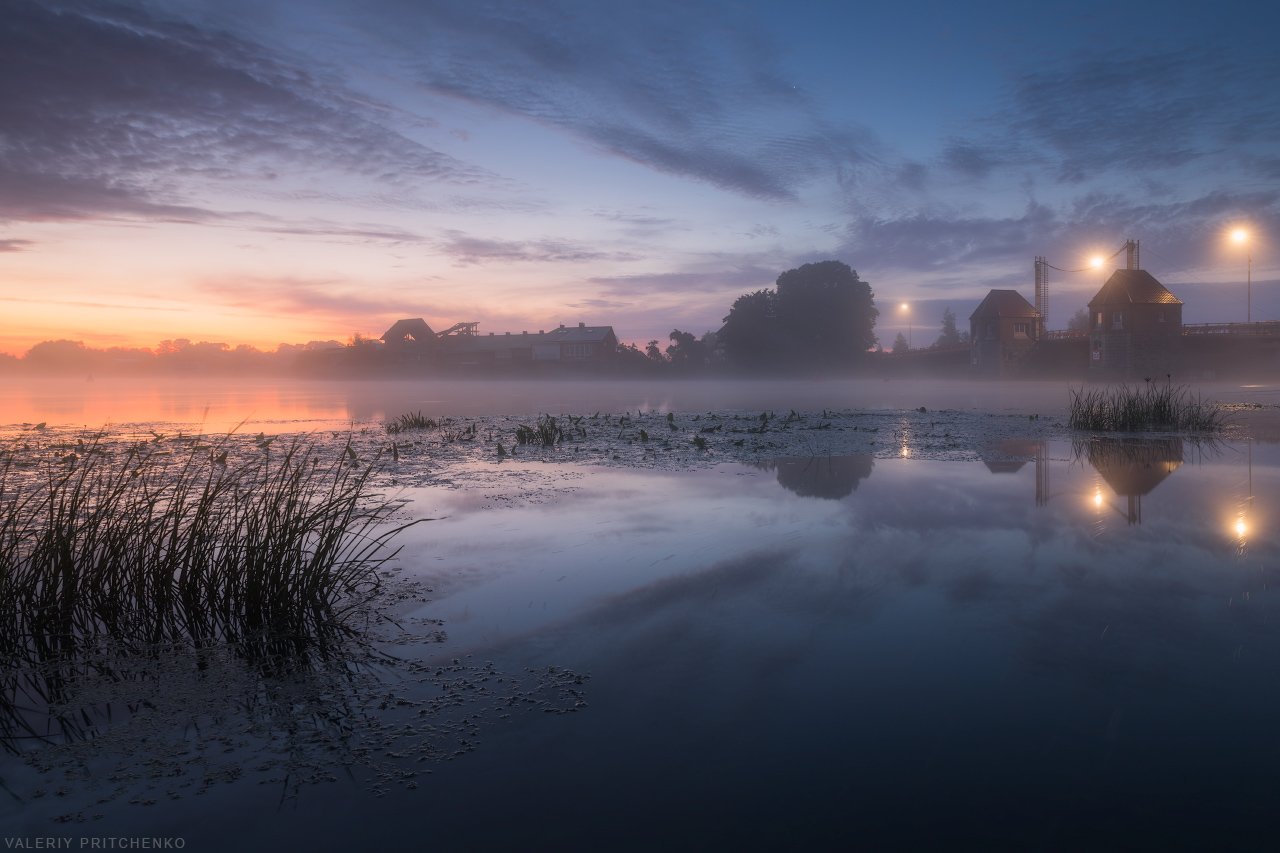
(817, 317)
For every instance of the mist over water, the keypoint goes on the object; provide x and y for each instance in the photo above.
(319, 403)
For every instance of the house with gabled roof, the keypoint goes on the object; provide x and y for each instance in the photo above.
(1135, 327)
(410, 341)
(1002, 332)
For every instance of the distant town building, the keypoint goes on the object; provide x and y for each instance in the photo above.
(462, 346)
(1002, 332)
(410, 341)
(1135, 327)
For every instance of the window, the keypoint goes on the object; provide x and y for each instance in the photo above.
(1117, 319)
(1160, 316)
(1099, 320)
(1022, 329)
(577, 350)
(991, 330)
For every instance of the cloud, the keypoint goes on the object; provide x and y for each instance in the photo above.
(467, 250)
(946, 239)
(1143, 112)
(294, 296)
(380, 233)
(735, 281)
(694, 90)
(1135, 112)
(110, 111)
(15, 245)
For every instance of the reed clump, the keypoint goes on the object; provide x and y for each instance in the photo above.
(546, 433)
(147, 550)
(1137, 409)
(412, 420)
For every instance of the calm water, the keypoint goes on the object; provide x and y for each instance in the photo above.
(894, 654)
(221, 403)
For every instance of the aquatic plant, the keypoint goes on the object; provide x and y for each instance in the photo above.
(1155, 406)
(413, 420)
(546, 432)
(143, 548)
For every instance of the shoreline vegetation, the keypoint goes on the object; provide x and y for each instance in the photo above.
(1146, 408)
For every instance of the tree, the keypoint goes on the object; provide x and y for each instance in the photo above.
(686, 351)
(652, 351)
(950, 336)
(1079, 321)
(900, 343)
(751, 335)
(820, 315)
(59, 355)
(827, 313)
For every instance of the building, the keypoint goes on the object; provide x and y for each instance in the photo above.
(1002, 332)
(410, 341)
(462, 346)
(1135, 327)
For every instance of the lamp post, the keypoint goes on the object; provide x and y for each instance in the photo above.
(907, 308)
(1242, 236)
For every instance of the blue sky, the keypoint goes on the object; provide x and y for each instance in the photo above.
(266, 172)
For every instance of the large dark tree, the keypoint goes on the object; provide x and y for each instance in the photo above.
(821, 316)
(751, 335)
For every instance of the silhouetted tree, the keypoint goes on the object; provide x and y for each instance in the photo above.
(1079, 321)
(821, 315)
(59, 355)
(950, 336)
(751, 334)
(900, 343)
(651, 350)
(686, 351)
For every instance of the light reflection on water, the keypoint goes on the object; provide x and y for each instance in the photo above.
(897, 653)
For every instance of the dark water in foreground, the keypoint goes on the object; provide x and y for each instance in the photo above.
(894, 654)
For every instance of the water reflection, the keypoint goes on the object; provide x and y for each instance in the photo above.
(1132, 467)
(827, 477)
(1012, 448)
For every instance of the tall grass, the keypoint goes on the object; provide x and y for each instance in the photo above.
(1155, 406)
(109, 559)
(147, 551)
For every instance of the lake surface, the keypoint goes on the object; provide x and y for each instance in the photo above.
(804, 653)
(221, 403)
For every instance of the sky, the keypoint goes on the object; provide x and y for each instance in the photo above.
(266, 172)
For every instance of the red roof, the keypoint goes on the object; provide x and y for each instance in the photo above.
(1004, 303)
(1133, 286)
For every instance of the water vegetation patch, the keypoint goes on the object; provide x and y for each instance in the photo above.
(1143, 408)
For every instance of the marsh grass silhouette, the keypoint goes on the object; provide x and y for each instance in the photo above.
(1136, 409)
(113, 562)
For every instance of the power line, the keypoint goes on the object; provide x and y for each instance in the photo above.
(1085, 269)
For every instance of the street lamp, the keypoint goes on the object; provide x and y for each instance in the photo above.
(907, 308)
(1242, 236)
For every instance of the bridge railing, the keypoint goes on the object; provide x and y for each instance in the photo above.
(1267, 329)
(1065, 334)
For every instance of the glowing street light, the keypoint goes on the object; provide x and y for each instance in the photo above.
(1242, 236)
(1096, 263)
